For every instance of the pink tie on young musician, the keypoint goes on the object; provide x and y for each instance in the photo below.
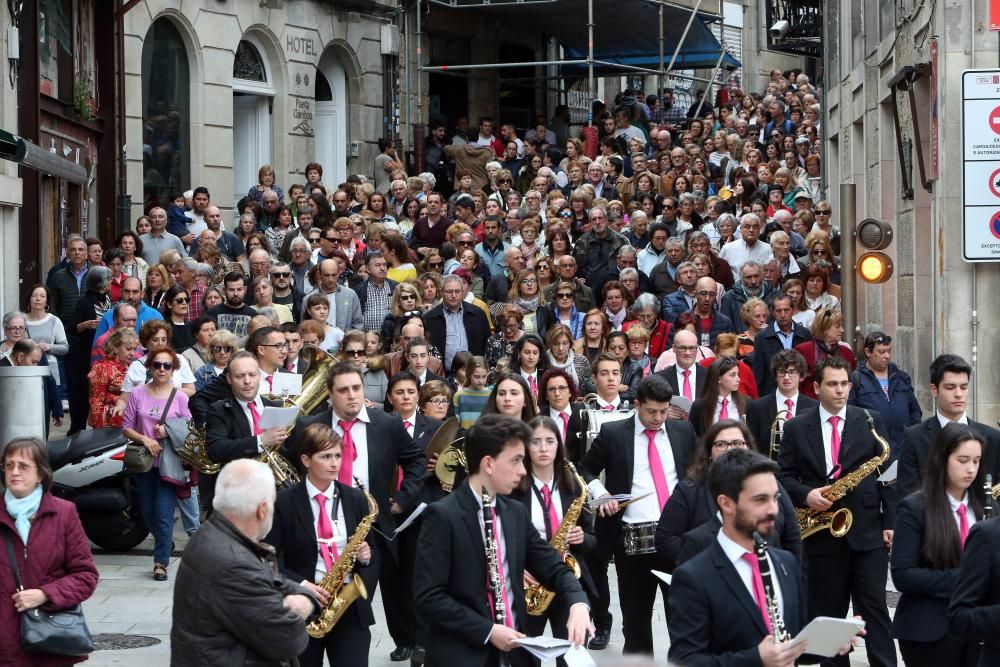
(656, 468)
(835, 445)
(759, 596)
(963, 524)
(349, 454)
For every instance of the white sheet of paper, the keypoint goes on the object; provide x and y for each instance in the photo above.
(544, 648)
(890, 473)
(286, 384)
(620, 497)
(662, 576)
(681, 402)
(278, 417)
(410, 519)
(825, 635)
(577, 656)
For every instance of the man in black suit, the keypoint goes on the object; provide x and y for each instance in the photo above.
(376, 445)
(949, 386)
(786, 371)
(686, 377)
(783, 334)
(644, 456)
(715, 617)
(821, 445)
(453, 325)
(231, 430)
(473, 611)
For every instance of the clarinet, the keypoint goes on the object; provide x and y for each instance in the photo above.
(493, 561)
(771, 601)
(988, 504)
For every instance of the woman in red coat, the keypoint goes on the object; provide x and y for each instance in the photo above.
(827, 330)
(52, 552)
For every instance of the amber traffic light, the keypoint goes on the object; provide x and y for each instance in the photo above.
(874, 236)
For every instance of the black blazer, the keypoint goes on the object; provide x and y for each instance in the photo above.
(712, 617)
(974, 612)
(916, 444)
(293, 536)
(389, 445)
(450, 585)
(613, 454)
(228, 435)
(477, 327)
(670, 375)
(803, 468)
(761, 413)
(574, 443)
(691, 507)
(765, 346)
(922, 611)
(695, 416)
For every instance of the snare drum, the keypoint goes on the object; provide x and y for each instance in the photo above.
(640, 538)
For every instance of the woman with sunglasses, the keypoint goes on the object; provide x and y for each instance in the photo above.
(221, 346)
(147, 405)
(404, 303)
(819, 248)
(198, 354)
(721, 398)
(176, 305)
(373, 377)
(689, 521)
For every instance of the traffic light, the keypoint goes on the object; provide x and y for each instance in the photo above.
(874, 236)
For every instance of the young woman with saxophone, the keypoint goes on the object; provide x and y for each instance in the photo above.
(333, 511)
(931, 529)
(552, 493)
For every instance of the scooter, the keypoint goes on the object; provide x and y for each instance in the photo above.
(89, 471)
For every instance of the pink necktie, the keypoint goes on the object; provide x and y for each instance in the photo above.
(963, 524)
(565, 420)
(724, 410)
(507, 620)
(656, 467)
(686, 389)
(790, 404)
(835, 445)
(407, 425)
(350, 453)
(399, 469)
(758, 589)
(609, 407)
(254, 418)
(533, 385)
(270, 382)
(327, 549)
(551, 509)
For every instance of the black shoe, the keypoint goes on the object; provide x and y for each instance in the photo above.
(159, 572)
(418, 656)
(401, 653)
(600, 640)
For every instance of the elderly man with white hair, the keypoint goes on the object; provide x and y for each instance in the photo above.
(747, 247)
(231, 605)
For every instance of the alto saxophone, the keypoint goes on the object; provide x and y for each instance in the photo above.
(839, 522)
(777, 429)
(343, 595)
(537, 597)
(778, 630)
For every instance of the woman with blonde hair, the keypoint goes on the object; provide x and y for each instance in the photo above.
(596, 328)
(754, 314)
(789, 185)
(107, 377)
(405, 302)
(827, 331)
(221, 347)
(157, 283)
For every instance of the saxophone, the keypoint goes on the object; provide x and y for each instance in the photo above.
(343, 595)
(778, 630)
(839, 522)
(537, 597)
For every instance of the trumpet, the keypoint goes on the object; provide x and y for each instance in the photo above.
(777, 430)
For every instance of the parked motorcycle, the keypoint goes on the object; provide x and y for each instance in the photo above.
(89, 471)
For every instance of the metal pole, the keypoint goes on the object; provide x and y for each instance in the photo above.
(590, 51)
(715, 72)
(407, 69)
(659, 77)
(420, 64)
(684, 35)
(848, 257)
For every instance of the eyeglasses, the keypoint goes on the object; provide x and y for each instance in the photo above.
(407, 296)
(181, 299)
(538, 443)
(704, 293)
(281, 274)
(219, 349)
(564, 295)
(504, 180)
(884, 339)
(728, 444)
(528, 281)
(354, 353)
(818, 251)
(11, 466)
(822, 211)
(162, 365)
(359, 223)
(314, 239)
(438, 401)
(302, 251)
(669, 207)
(557, 389)
(277, 346)
(15, 329)
(330, 238)
(467, 244)
(787, 372)
(685, 348)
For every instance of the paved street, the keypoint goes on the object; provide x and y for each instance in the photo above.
(129, 602)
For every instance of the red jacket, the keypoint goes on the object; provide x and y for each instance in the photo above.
(58, 561)
(748, 383)
(657, 337)
(811, 352)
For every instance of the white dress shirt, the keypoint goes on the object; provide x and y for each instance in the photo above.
(338, 522)
(360, 435)
(779, 400)
(692, 380)
(259, 404)
(969, 514)
(738, 253)
(412, 419)
(731, 409)
(603, 405)
(539, 511)
(826, 427)
(944, 421)
(734, 553)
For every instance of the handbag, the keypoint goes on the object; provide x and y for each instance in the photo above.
(137, 458)
(61, 632)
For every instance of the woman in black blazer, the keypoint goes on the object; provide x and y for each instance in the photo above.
(927, 548)
(722, 382)
(301, 557)
(549, 479)
(690, 506)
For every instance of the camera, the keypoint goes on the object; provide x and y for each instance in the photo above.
(780, 29)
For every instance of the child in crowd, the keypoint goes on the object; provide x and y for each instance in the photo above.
(471, 398)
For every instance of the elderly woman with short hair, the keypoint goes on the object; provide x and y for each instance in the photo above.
(646, 311)
(501, 344)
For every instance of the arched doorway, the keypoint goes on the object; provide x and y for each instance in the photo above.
(253, 93)
(331, 118)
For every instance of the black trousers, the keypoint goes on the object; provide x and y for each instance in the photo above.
(637, 589)
(557, 614)
(600, 602)
(79, 395)
(835, 579)
(946, 651)
(346, 645)
(396, 581)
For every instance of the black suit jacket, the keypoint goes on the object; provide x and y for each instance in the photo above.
(450, 585)
(765, 346)
(803, 468)
(761, 413)
(228, 435)
(916, 444)
(670, 375)
(293, 535)
(974, 612)
(477, 327)
(574, 444)
(389, 445)
(713, 619)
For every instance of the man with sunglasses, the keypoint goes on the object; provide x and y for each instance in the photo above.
(375, 293)
(284, 291)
